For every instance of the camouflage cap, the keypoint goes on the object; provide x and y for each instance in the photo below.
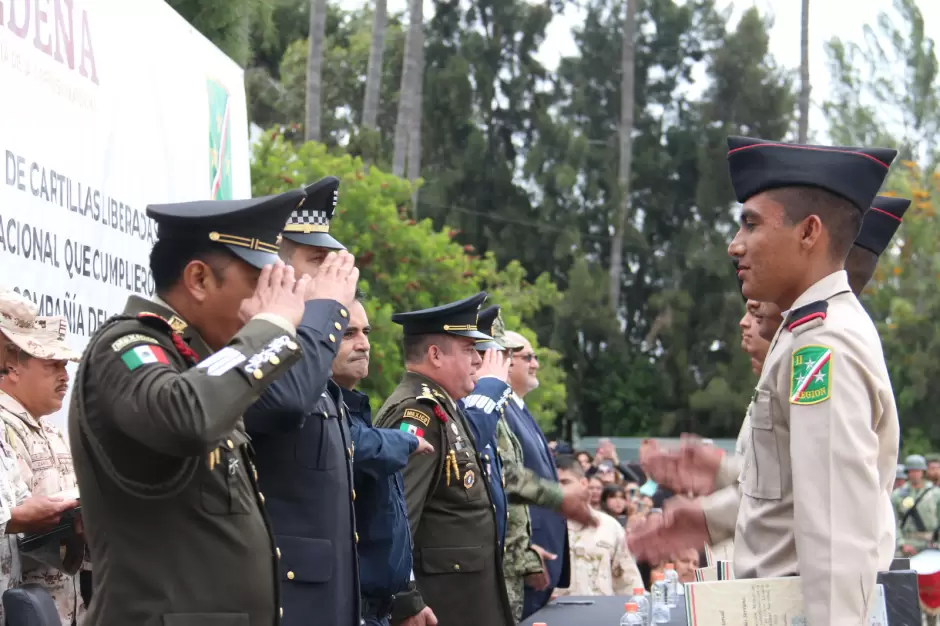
(915, 462)
(38, 336)
(901, 473)
(932, 458)
(499, 334)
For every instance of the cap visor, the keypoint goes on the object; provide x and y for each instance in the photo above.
(320, 240)
(489, 345)
(45, 350)
(255, 258)
(472, 334)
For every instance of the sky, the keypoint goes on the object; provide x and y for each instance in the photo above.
(828, 18)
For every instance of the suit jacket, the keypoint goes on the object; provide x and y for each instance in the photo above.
(549, 529)
(304, 456)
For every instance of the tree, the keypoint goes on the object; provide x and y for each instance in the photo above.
(406, 265)
(887, 92)
(627, 98)
(804, 73)
(370, 105)
(316, 42)
(411, 79)
(229, 24)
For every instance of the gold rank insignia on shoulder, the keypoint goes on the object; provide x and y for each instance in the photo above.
(178, 325)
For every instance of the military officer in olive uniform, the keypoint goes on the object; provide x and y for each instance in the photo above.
(457, 565)
(917, 508)
(301, 432)
(170, 503)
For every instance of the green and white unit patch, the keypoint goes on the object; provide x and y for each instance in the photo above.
(811, 375)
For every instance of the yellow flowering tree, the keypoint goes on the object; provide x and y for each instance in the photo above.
(904, 300)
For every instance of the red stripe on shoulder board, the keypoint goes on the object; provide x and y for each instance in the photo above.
(808, 318)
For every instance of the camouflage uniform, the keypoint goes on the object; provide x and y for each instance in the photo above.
(13, 491)
(928, 508)
(45, 464)
(519, 559)
(42, 455)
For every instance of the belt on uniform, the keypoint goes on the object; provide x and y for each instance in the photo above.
(377, 608)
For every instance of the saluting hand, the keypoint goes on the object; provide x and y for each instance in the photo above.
(278, 292)
(336, 279)
(495, 363)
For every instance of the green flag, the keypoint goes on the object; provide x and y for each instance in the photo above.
(220, 140)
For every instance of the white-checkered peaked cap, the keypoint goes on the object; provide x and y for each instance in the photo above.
(315, 213)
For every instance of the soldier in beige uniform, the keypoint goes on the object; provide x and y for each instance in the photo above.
(823, 426)
(35, 354)
(720, 500)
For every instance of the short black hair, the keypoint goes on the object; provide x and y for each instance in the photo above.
(169, 257)
(569, 462)
(841, 218)
(416, 346)
(860, 266)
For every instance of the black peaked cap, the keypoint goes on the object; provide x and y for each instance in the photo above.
(457, 318)
(855, 174)
(250, 228)
(881, 222)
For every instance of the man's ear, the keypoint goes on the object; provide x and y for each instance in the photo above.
(199, 279)
(435, 355)
(811, 230)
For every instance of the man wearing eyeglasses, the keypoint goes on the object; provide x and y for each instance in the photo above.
(549, 530)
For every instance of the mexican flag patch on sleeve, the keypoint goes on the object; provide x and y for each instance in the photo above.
(811, 375)
(412, 429)
(143, 355)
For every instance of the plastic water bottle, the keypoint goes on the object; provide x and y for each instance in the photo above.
(659, 609)
(672, 583)
(631, 617)
(642, 604)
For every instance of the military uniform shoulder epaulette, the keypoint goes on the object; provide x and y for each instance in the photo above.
(433, 397)
(155, 321)
(807, 317)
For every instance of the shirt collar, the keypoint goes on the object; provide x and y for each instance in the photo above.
(835, 283)
(356, 401)
(13, 405)
(519, 401)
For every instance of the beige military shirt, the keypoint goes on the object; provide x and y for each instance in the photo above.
(45, 464)
(721, 506)
(823, 448)
(601, 564)
(13, 491)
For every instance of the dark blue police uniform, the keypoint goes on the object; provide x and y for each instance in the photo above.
(385, 561)
(305, 451)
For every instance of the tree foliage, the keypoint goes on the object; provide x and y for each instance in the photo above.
(406, 265)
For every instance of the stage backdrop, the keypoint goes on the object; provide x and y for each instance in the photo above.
(106, 106)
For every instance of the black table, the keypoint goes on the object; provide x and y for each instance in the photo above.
(602, 611)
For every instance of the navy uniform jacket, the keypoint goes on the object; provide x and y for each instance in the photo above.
(549, 529)
(384, 536)
(304, 458)
(482, 408)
